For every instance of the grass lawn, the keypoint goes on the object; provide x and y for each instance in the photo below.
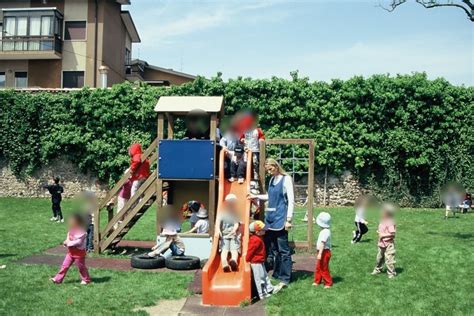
(435, 262)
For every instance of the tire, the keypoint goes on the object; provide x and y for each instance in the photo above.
(183, 263)
(143, 261)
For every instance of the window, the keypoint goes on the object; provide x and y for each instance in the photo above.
(128, 57)
(2, 80)
(75, 30)
(21, 79)
(73, 79)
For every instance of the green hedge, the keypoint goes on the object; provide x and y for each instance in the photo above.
(403, 136)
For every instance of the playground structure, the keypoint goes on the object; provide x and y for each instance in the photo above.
(189, 167)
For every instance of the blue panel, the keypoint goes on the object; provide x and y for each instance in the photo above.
(186, 159)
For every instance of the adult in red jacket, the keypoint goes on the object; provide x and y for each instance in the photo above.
(139, 170)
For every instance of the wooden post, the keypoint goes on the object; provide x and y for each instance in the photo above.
(159, 183)
(97, 230)
(170, 126)
(261, 171)
(310, 194)
(211, 208)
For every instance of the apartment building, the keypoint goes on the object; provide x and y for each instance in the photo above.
(65, 43)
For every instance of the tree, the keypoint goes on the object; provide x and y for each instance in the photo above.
(466, 5)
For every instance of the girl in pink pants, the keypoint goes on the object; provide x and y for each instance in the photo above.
(76, 250)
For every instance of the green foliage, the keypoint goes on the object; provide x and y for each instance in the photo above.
(404, 136)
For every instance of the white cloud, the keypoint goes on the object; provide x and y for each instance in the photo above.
(172, 21)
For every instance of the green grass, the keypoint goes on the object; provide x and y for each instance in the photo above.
(25, 289)
(435, 261)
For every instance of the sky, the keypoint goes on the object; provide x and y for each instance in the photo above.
(322, 39)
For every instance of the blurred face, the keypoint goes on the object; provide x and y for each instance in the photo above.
(231, 205)
(260, 233)
(271, 169)
(72, 222)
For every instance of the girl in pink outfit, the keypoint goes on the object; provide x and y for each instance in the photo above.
(76, 250)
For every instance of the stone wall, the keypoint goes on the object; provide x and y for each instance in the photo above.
(72, 180)
(342, 190)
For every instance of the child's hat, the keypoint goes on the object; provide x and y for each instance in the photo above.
(194, 206)
(239, 149)
(231, 197)
(202, 213)
(256, 226)
(323, 220)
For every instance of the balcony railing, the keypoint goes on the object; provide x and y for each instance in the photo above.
(31, 44)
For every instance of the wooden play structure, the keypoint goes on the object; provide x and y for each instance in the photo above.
(189, 167)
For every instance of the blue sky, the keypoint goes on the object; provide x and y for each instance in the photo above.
(321, 39)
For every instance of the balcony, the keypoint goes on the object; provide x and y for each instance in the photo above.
(31, 33)
(30, 47)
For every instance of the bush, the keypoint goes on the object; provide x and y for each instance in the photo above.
(403, 136)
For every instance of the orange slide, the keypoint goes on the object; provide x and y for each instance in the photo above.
(229, 288)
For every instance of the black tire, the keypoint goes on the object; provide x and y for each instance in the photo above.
(183, 263)
(145, 262)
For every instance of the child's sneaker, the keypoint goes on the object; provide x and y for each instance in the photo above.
(391, 276)
(375, 272)
(278, 287)
(54, 280)
(233, 265)
(231, 179)
(315, 284)
(327, 286)
(241, 180)
(84, 283)
(53, 219)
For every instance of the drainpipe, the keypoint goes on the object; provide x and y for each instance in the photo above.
(103, 70)
(96, 30)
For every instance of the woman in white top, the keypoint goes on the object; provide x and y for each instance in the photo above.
(278, 217)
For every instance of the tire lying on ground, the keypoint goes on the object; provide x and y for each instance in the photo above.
(183, 263)
(143, 261)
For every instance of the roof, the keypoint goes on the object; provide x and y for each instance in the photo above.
(184, 105)
(130, 26)
(166, 70)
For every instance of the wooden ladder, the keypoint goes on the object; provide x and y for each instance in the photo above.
(119, 225)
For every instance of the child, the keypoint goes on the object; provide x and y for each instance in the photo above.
(76, 250)
(191, 209)
(56, 190)
(202, 225)
(256, 256)
(90, 205)
(227, 225)
(360, 222)
(171, 227)
(386, 244)
(251, 138)
(238, 165)
(228, 143)
(323, 247)
(139, 170)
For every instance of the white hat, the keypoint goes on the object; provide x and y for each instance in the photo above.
(324, 220)
(231, 197)
(202, 213)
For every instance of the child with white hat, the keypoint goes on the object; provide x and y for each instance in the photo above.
(202, 224)
(227, 225)
(323, 247)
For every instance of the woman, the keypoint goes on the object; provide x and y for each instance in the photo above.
(278, 217)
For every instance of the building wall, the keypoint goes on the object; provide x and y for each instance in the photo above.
(38, 77)
(78, 55)
(112, 34)
(9, 67)
(152, 74)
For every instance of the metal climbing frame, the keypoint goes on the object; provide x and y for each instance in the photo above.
(310, 172)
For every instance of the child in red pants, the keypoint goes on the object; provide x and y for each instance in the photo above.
(324, 251)
(76, 250)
